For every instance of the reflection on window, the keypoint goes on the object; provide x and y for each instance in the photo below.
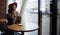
(45, 6)
(33, 10)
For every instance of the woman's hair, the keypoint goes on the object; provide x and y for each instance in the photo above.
(14, 4)
(11, 7)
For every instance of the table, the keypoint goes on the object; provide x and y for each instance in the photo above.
(2, 20)
(26, 27)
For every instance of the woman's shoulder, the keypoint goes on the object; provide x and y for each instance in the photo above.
(8, 14)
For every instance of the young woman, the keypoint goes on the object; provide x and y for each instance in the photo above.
(12, 14)
(12, 17)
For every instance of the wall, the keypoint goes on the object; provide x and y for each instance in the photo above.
(2, 8)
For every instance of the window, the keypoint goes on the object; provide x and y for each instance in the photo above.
(30, 13)
(45, 6)
(28, 10)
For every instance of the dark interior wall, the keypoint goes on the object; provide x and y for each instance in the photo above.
(2, 8)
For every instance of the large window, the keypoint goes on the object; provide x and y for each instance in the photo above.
(28, 10)
(45, 9)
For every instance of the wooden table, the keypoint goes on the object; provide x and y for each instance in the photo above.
(2, 20)
(26, 27)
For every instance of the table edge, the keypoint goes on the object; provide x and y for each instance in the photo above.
(24, 31)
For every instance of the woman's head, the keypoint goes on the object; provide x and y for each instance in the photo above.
(12, 7)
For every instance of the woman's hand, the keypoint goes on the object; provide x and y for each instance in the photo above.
(15, 16)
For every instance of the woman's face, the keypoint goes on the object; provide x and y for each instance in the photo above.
(14, 7)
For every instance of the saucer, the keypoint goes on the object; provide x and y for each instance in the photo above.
(20, 24)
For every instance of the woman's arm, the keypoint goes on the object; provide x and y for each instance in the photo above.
(9, 18)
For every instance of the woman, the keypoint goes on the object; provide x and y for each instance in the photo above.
(12, 17)
(12, 14)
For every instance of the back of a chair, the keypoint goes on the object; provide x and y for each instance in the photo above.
(2, 25)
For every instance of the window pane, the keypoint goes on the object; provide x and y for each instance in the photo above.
(19, 5)
(30, 13)
(45, 9)
(45, 6)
